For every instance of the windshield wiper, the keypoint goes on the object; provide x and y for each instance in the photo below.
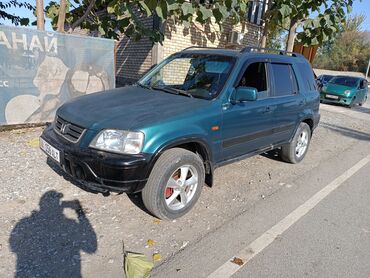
(143, 86)
(172, 91)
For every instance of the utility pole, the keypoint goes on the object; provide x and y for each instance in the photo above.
(367, 71)
(40, 15)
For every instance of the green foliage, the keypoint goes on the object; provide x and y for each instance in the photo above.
(313, 30)
(16, 20)
(115, 17)
(348, 51)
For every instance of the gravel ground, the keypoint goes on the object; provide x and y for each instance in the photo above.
(51, 224)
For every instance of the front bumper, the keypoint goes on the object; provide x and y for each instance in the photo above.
(341, 99)
(100, 171)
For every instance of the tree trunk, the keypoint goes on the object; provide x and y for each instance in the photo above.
(61, 16)
(291, 35)
(264, 36)
(40, 15)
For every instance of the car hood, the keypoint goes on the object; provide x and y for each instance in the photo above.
(337, 89)
(126, 108)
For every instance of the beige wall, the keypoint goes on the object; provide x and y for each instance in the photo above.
(133, 59)
(178, 37)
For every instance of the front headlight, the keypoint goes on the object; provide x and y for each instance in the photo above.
(324, 89)
(119, 141)
(347, 92)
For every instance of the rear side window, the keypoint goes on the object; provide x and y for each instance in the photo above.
(285, 83)
(307, 75)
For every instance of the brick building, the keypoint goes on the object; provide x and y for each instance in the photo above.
(135, 58)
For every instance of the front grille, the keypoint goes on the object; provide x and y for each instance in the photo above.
(69, 131)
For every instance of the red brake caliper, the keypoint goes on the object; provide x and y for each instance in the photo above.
(169, 192)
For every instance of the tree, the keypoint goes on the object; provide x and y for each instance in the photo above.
(310, 22)
(16, 20)
(61, 15)
(115, 17)
(349, 50)
(40, 14)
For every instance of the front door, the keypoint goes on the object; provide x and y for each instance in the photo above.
(247, 125)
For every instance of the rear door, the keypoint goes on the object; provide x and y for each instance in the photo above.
(287, 101)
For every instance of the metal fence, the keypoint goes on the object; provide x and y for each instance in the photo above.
(39, 71)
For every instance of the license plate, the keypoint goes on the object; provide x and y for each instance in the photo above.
(50, 150)
(332, 97)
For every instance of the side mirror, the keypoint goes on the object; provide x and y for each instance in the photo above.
(243, 94)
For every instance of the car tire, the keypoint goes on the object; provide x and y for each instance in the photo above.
(174, 184)
(296, 150)
(352, 104)
(363, 102)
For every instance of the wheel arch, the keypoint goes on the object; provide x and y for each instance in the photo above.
(195, 145)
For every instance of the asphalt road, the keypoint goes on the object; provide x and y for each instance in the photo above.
(318, 225)
(260, 210)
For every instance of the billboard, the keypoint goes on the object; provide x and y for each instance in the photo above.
(39, 71)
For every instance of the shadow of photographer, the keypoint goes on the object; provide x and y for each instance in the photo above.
(48, 243)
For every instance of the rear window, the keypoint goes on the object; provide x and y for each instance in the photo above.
(284, 80)
(307, 76)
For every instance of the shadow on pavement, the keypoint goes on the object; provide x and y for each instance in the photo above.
(135, 198)
(273, 154)
(352, 133)
(48, 244)
(362, 109)
(357, 108)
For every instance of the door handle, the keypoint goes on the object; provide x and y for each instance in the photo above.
(267, 109)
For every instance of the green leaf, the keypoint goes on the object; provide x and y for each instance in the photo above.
(187, 8)
(285, 10)
(161, 9)
(217, 15)
(112, 6)
(101, 30)
(24, 21)
(206, 13)
(146, 8)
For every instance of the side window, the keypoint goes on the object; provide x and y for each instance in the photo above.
(255, 76)
(308, 76)
(284, 80)
(363, 84)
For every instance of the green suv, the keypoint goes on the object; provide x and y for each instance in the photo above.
(197, 110)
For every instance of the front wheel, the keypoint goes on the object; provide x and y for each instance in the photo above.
(295, 151)
(175, 184)
(364, 101)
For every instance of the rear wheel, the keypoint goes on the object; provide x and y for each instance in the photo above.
(295, 151)
(174, 184)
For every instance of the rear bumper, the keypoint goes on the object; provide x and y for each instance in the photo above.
(100, 171)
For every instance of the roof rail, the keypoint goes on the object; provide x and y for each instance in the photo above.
(261, 49)
(200, 47)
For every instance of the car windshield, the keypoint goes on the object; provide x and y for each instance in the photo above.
(194, 75)
(345, 81)
(327, 77)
